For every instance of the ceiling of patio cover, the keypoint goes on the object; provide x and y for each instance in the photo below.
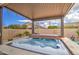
(41, 10)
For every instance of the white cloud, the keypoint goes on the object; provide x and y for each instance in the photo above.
(73, 15)
(25, 21)
(46, 24)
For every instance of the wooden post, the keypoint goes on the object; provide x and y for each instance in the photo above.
(0, 25)
(62, 26)
(32, 26)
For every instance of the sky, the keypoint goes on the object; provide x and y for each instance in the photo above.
(73, 15)
(10, 17)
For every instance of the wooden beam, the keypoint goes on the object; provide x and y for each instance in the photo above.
(3, 4)
(1, 25)
(69, 9)
(48, 18)
(62, 26)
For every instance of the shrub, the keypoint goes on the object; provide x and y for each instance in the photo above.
(77, 32)
(27, 33)
(18, 35)
(52, 27)
(10, 39)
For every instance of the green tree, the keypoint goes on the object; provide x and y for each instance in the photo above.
(52, 27)
(13, 26)
(16, 26)
(23, 26)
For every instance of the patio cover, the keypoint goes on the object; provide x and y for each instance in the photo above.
(41, 11)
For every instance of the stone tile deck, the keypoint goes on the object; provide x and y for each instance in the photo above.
(15, 51)
(1, 53)
(72, 46)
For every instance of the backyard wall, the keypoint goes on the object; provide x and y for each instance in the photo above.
(11, 33)
(67, 32)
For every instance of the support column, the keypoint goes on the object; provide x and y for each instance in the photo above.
(32, 26)
(0, 25)
(62, 26)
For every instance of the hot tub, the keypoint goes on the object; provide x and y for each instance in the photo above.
(42, 45)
